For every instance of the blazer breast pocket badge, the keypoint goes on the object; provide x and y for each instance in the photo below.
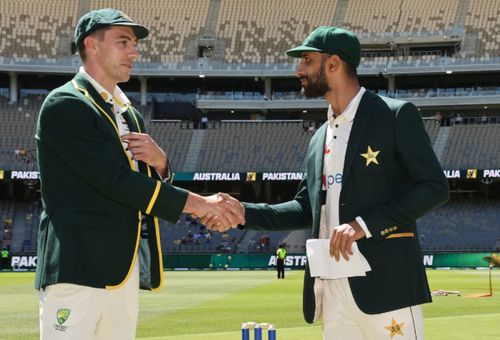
(370, 156)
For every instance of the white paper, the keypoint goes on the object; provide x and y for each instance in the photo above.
(322, 265)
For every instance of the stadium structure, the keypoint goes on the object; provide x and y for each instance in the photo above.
(219, 95)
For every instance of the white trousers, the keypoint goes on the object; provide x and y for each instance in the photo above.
(74, 312)
(343, 320)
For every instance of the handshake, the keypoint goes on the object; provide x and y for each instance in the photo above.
(218, 212)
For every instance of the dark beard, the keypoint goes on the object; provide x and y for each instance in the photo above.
(317, 85)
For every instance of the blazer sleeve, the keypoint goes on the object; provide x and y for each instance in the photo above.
(294, 214)
(68, 126)
(415, 154)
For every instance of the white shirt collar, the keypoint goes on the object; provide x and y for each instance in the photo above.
(350, 111)
(117, 98)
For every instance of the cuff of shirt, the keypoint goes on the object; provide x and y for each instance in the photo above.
(363, 225)
(168, 175)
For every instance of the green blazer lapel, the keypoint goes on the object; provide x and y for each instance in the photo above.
(131, 119)
(84, 84)
(318, 150)
(365, 109)
(101, 108)
(315, 174)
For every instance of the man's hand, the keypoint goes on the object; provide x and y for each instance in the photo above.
(343, 237)
(219, 212)
(144, 148)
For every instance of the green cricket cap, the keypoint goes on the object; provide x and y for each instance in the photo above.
(331, 40)
(106, 17)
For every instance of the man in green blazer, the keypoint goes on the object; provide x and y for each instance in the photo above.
(104, 182)
(371, 173)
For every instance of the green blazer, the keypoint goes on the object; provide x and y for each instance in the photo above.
(94, 203)
(406, 183)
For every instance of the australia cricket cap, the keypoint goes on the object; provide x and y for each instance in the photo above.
(106, 17)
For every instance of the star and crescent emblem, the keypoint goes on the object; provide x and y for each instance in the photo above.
(370, 156)
(395, 328)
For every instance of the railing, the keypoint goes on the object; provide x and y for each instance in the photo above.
(385, 63)
(413, 93)
(451, 32)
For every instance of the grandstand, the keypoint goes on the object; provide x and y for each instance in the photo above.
(472, 146)
(17, 133)
(259, 34)
(394, 16)
(261, 146)
(173, 26)
(37, 29)
(224, 60)
(449, 228)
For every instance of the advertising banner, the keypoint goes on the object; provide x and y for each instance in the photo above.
(260, 176)
(27, 262)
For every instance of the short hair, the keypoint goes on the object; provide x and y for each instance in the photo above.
(349, 69)
(98, 33)
(325, 56)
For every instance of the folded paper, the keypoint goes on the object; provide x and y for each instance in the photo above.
(322, 265)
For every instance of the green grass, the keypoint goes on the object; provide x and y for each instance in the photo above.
(211, 305)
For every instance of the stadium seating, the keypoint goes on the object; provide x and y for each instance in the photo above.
(7, 211)
(17, 133)
(242, 146)
(24, 219)
(173, 25)
(246, 32)
(30, 213)
(236, 146)
(482, 19)
(40, 29)
(427, 15)
(275, 27)
(172, 234)
(464, 224)
(254, 146)
(176, 26)
(370, 16)
(472, 147)
(174, 138)
(432, 128)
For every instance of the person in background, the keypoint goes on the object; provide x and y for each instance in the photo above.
(280, 260)
(5, 255)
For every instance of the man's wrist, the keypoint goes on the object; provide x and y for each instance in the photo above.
(194, 204)
(162, 169)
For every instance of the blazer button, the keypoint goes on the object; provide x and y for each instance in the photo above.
(343, 204)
